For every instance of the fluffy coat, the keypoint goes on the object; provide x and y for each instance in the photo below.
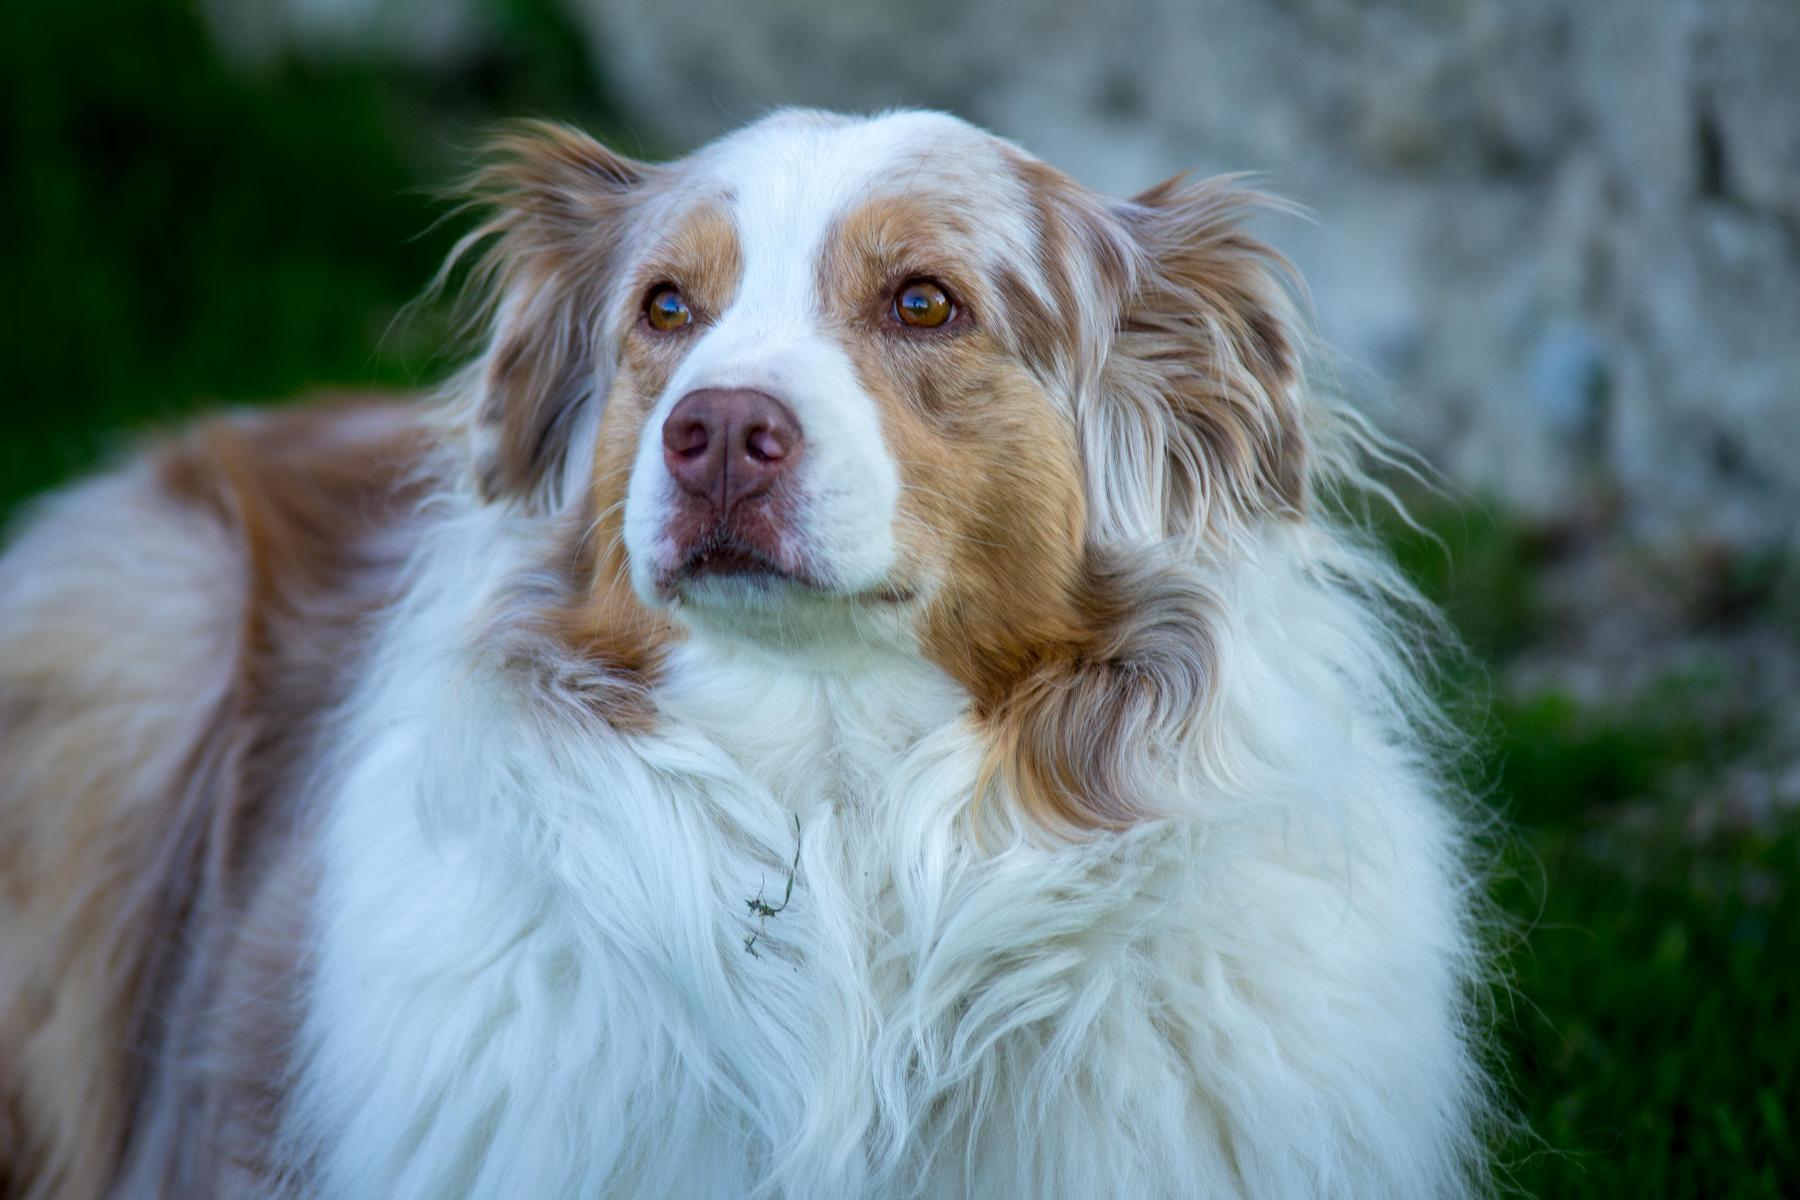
(377, 823)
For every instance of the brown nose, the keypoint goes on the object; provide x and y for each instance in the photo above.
(728, 445)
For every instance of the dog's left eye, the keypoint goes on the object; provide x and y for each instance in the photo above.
(666, 310)
(923, 304)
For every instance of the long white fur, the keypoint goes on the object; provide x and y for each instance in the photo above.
(537, 973)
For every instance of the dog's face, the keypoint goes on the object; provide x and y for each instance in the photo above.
(884, 383)
(835, 427)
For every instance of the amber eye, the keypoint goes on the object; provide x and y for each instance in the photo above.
(922, 304)
(666, 310)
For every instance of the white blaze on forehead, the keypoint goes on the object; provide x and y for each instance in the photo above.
(789, 181)
(794, 178)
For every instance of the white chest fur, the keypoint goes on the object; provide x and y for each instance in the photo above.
(540, 970)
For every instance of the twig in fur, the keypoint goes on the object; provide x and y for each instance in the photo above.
(761, 908)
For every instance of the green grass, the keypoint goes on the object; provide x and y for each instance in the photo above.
(1653, 1033)
(1650, 1031)
(179, 235)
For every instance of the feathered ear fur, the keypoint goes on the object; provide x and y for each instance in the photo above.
(1196, 428)
(1192, 435)
(558, 206)
(1086, 740)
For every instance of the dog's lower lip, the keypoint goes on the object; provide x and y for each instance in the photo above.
(736, 563)
(731, 561)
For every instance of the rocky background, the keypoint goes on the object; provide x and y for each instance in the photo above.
(1557, 244)
(1556, 248)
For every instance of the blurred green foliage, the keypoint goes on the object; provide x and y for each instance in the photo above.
(180, 233)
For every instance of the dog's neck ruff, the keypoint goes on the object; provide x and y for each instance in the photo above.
(559, 959)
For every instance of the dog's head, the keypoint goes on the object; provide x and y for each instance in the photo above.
(892, 385)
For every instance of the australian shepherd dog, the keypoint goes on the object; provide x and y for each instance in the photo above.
(856, 690)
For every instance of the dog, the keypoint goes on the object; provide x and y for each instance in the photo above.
(861, 688)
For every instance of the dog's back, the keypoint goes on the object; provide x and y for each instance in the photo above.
(169, 635)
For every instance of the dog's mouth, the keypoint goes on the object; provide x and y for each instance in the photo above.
(725, 563)
(729, 560)
(724, 555)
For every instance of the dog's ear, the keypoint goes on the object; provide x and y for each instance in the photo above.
(1196, 422)
(1087, 740)
(1191, 432)
(558, 206)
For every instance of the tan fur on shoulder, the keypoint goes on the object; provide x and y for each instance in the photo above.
(165, 638)
(114, 662)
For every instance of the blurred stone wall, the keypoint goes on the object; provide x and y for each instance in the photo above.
(1565, 236)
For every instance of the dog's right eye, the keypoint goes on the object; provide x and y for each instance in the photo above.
(666, 311)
